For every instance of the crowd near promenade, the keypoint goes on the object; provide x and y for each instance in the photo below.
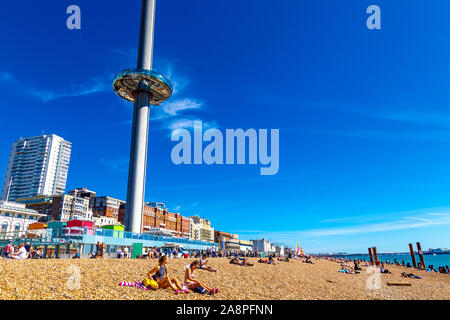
(206, 274)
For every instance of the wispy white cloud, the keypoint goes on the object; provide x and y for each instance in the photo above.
(413, 116)
(438, 214)
(173, 108)
(185, 123)
(425, 125)
(94, 85)
(127, 52)
(434, 135)
(349, 219)
(119, 165)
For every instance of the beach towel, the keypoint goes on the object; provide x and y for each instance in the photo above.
(132, 284)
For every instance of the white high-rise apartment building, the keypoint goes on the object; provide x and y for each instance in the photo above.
(37, 166)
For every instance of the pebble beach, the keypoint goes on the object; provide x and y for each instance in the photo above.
(96, 279)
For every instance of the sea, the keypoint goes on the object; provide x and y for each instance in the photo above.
(435, 260)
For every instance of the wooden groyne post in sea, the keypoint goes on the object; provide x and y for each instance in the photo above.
(413, 257)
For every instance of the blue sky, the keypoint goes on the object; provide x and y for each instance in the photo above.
(363, 114)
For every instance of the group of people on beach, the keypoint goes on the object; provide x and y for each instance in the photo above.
(271, 259)
(22, 251)
(158, 278)
(420, 266)
(381, 265)
(99, 252)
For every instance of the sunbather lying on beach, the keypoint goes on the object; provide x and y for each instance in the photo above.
(410, 275)
(191, 283)
(348, 270)
(282, 259)
(160, 274)
(241, 262)
(308, 260)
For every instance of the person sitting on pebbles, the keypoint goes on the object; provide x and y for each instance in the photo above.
(272, 260)
(203, 266)
(191, 283)
(383, 270)
(160, 274)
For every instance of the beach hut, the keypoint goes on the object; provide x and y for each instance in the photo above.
(56, 225)
(37, 226)
(118, 230)
(80, 227)
(57, 228)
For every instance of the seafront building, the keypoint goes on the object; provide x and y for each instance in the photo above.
(41, 204)
(230, 241)
(201, 229)
(245, 246)
(105, 207)
(16, 217)
(59, 207)
(221, 238)
(263, 245)
(37, 166)
(158, 220)
(100, 222)
(82, 193)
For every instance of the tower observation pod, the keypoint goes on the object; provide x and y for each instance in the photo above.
(144, 87)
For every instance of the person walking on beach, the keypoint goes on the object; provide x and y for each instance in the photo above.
(125, 252)
(160, 274)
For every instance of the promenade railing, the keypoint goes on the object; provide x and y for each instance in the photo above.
(76, 234)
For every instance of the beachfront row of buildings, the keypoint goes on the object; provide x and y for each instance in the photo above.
(105, 212)
(83, 204)
(33, 193)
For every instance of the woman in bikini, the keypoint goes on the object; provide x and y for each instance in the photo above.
(192, 283)
(161, 276)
